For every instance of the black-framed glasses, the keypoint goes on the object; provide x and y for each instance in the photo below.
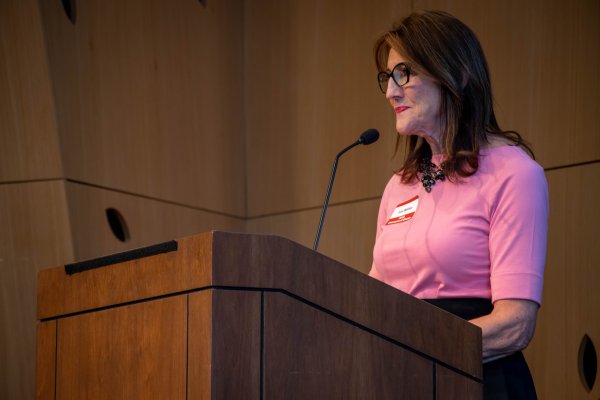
(400, 74)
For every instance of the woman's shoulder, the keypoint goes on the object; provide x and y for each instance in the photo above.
(512, 169)
(508, 157)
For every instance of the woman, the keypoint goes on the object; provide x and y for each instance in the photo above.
(463, 222)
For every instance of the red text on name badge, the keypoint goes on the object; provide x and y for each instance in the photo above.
(404, 211)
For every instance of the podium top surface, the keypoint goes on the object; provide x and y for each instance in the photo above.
(257, 262)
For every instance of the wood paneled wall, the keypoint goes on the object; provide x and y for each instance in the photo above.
(544, 58)
(148, 221)
(306, 120)
(142, 104)
(348, 233)
(29, 143)
(34, 222)
(34, 233)
(310, 91)
(149, 98)
(571, 303)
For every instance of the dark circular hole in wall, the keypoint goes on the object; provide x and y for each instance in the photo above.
(117, 224)
(587, 363)
(70, 10)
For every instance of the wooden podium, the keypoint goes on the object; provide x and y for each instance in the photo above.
(237, 316)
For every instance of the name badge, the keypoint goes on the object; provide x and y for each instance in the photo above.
(404, 211)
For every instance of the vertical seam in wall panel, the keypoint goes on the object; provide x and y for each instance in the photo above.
(213, 330)
(262, 343)
(73, 250)
(434, 382)
(187, 347)
(55, 357)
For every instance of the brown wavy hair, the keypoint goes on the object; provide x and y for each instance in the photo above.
(440, 46)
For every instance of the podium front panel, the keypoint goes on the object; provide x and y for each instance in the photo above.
(130, 352)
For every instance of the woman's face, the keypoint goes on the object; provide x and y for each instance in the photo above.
(416, 104)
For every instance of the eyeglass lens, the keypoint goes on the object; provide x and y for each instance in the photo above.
(399, 74)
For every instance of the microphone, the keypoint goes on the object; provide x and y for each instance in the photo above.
(367, 137)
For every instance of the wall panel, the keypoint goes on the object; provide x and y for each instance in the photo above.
(571, 303)
(29, 143)
(348, 233)
(149, 221)
(310, 90)
(149, 97)
(544, 57)
(34, 234)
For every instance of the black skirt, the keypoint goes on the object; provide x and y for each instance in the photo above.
(507, 378)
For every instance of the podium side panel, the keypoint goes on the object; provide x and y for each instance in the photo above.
(312, 354)
(46, 360)
(451, 386)
(224, 344)
(273, 262)
(130, 352)
(236, 342)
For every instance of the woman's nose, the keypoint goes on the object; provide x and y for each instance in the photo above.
(393, 90)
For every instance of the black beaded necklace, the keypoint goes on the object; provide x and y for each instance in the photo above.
(430, 173)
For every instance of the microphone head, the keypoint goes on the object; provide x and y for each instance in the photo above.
(369, 136)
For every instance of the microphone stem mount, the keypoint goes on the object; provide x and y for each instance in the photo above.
(367, 137)
(328, 193)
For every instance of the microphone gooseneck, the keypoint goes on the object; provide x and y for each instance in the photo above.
(367, 137)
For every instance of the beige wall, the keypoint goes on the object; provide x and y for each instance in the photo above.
(149, 98)
(187, 118)
(571, 305)
(34, 223)
(310, 91)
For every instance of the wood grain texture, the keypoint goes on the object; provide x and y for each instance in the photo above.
(148, 97)
(236, 344)
(187, 268)
(522, 42)
(274, 262)
(348, 233)
(357, 365)
(200, 338)
(46, 360)
(571, 302)
(149, 221)
(29, 141)
(34, 233)
(253, 261)
(310, 90)
(132, 352)
(452, 386)
(224, 344)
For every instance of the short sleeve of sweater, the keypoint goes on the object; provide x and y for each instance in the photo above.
(517, 237)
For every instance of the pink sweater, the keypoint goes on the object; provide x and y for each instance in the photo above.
(483, 237)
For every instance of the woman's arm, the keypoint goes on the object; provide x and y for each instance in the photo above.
(508, 328)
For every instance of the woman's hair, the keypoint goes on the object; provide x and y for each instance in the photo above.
(442, 47)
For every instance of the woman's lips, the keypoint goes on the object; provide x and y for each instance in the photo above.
(400, 109)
